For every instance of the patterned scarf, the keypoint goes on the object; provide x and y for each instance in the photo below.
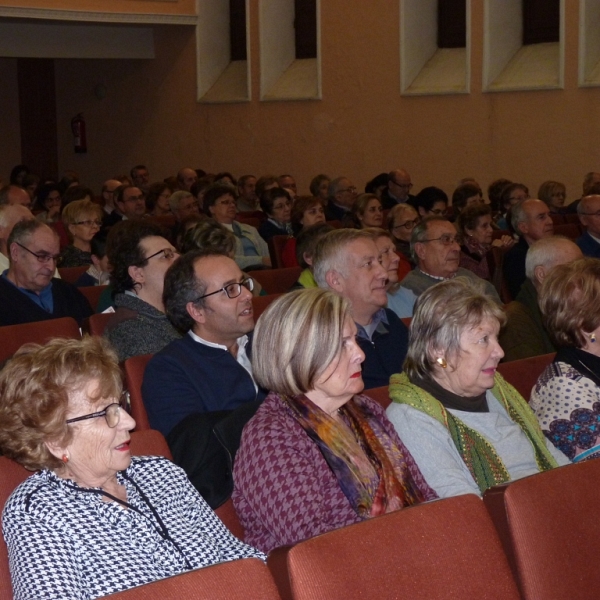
(370, 468)
(479, 455)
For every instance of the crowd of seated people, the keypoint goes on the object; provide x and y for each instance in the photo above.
(177, 256)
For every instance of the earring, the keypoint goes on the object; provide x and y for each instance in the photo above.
(593, 338)
(440, 360)
(65, 458)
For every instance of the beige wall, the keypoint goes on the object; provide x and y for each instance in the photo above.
(178, 7)
(10, 146)
(360, 128)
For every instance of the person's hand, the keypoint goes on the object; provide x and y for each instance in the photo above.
(504, 242)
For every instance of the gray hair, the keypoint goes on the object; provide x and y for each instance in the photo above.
(441, 314)
(330, 253)
(582, 205)
(177, 197)
(23, 230)
(544, 253)
(419, 234)
(334, 186)
(518, 215)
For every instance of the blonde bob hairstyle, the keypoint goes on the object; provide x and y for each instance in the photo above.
(36, 386)
(297, 338)
(442, 313)
(80, 210)
(570, 301)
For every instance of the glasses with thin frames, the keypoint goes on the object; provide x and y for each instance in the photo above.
(232, 290)
(407, 225)
(90, 223)
(594, 214)
(168, 253)
(42, 257)
(112, 413)
(447, 240)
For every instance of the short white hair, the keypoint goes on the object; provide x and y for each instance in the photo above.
(544, 253)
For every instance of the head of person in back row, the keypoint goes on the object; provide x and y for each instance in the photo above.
(186, 178)
(431, 202)
(287, 182)
(67, 520)
(209, 299)
(130, 202)
(82, 219)
(566, 399)
(367, 211)
(247, 198)
(436, 251)
(588, 210)
(140, 177)
(554, 194)
(276, 203)
(465, 195)
(317, 455)
(28, 291)
(342, 194)
(140, 256)
(525, 333)
(466, 427)
(348, 262)
(399, 184)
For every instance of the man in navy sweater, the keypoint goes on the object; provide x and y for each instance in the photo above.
(207, 297)
(589, 215)
(348, 262)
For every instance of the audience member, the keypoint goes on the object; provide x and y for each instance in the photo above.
(431, 201)
(109, 188)
(467, 429)
(307, 242)
(317, 455)
(566, 398)
(157, 199)
(366, 212)
(398, 190)
(17, 174)
(377, 185)
(14, 194)
(531, 221)
(347, 261)
(10, 215)
(525, 334)
(287, 182)
(554, 194)
(99, 271)
(319, 186)
(130, 202)
(306, 211)
(511, 194)
(264, 183)
(28, 291)
(436, 251)
(186, 177)
(49, 203)
(588, 210)
(139, 256)
(401, 220)
(247, 200)
(342, 195)
(82, 220)
(140, 178)
(276, 203)
(183, 204)
(494, 192)
(465, 195)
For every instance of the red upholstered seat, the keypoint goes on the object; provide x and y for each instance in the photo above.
(277, 281)
(260, 303)
(276, 245)
(381, 395)
(93, 293)
(134, 376)
(444, 549)
(523, 373)
(95, 324)
(72, 274)
(549, 525)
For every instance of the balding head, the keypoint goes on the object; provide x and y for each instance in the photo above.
(186, 178)
(10, 215)
(589, 180)
(546, 254)
(588, 210)
(531, 220)
(14, 194)
(399, 184)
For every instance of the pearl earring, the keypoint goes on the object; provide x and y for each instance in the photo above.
(593, 338)
(440, 360)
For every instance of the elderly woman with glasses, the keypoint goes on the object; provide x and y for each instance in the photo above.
(401, 220)
(317, 455)
(82, 220)
(93, 520)
(466, 427)
(139, 256)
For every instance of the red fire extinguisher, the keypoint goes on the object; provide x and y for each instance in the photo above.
(79, 139)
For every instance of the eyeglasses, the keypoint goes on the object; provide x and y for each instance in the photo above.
(112, 413)
(43, 257)
(232, 290)
(407, 225)
(594, 214)
(351, 189)
(226, 202)
(406, 186)
(447, 240)
(438, 211)
(134, 198)
(89, 223)
(168, 253)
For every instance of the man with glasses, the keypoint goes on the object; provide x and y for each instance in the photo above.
(28, 290)
(209, 299)
(398, 189)
(588, 210)
(436, 251)
(108, 194)
(130, 202)
(342, 194)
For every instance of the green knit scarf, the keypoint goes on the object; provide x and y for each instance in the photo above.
(479, 455)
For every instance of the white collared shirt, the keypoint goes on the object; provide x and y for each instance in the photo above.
(242, 357)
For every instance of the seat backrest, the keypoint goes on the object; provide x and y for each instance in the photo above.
(523, 374)
(149, 443)
(260, 303)
(95, 324)
(12, 337)
(570, 230)
(443, 549)
(226, 512)
(234, 580)
(550, 526)
(381, 395)
(72, 274)
(277, 281)
(134, 376)
(252, 221)
(498, 275)
(93, 293)
(276, 245)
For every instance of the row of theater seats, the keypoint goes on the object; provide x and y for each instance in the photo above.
(533, 539)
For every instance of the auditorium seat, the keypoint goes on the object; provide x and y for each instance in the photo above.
(72, 274)
(95, 324)
(549, 526)
(12, 337)
(444, 549)
(244, 579)
(276, 245)
(134, 376)
(381, 395)
(569, 230)
(226, 512)
(252, 221)
(277, 281)
(523, 373)
(93, 293)
(260, 303)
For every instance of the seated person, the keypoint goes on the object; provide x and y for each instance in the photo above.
(466, 427)
(431, 202)
(99, 271)
(588, 210)
(276, 203)
(347, 261)
(465, 195)
(139, 257)
(82, 219)
(91, 505)
(251, 250)
(319, 187)
(474, 224)
(157, 199)
(28, 290)
(401, 220)
(365, 212)
(554, 194)
(48, 203)
(566, 398)
(509, 194)
(307, 242)
(307, 211)
(436, 251)
(317, 455)
(342, 194)
(525, 334)
(208, 298)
